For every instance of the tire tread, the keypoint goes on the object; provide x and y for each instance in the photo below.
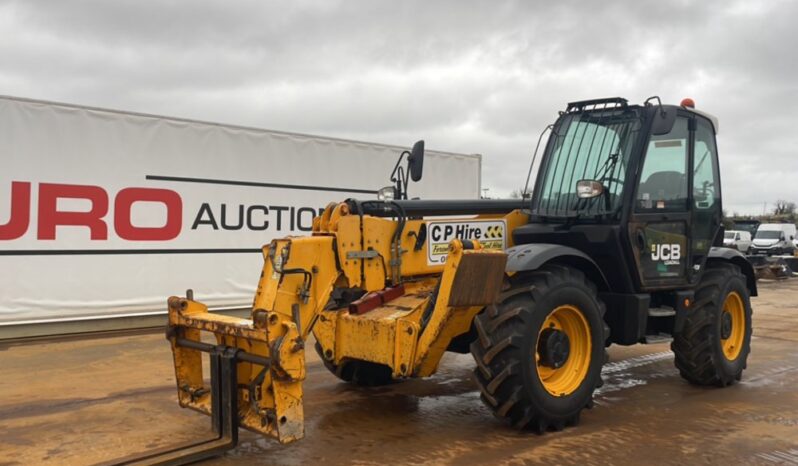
(693, 348)
(496, 350)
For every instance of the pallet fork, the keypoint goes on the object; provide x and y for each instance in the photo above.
(221, 399)
(224, 409)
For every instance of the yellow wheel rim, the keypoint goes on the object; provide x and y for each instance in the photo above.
(735, 309)
(564, 380)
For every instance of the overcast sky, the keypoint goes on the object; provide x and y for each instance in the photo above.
(474, 77)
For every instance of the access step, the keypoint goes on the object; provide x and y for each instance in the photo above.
(659, 338)
(661, 312)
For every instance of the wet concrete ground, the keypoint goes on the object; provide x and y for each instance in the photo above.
(93, 400)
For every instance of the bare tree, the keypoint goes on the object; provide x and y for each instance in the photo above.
(784, 207)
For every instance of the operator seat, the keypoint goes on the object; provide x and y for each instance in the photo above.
(668, 186)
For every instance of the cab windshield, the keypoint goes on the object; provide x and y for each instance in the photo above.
(594, 145)
(729, 235)
(768, 234)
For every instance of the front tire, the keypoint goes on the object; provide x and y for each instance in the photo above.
(713, 346)
(539, 352)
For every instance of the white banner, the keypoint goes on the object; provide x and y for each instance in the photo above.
(109, 213)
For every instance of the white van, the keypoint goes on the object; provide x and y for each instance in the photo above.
(774, 238)
(737, 239)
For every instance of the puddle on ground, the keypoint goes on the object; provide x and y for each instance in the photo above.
(780, 457)
(630, 373)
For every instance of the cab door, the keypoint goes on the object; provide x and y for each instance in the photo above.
(660, 218)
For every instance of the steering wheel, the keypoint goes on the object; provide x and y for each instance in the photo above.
(706, 189)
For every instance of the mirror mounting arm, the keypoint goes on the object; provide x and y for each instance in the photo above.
(659, 103)
(399, 176)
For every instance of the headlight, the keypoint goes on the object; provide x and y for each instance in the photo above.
(387, 193)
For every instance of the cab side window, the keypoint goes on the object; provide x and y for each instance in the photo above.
(663, 181)
(705, 169)
(706, 189)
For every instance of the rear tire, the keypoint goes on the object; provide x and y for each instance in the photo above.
(518, 379)
(722, 308)
(364, 373)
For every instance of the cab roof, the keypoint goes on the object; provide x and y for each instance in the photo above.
(609, 103)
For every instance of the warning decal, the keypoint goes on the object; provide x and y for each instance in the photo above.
(491, 234)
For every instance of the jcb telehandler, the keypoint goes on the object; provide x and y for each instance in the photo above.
(619, 242)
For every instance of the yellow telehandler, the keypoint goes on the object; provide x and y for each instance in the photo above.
(618, 242)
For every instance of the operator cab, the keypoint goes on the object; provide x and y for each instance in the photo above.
(634, 187)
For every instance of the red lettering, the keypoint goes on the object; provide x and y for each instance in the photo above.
(124, 226)
(50, 217)
(19, 219)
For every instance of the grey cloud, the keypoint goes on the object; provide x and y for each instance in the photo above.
(477, 77)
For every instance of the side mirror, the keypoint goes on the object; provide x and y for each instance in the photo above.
(662, 121)
(415, 161)
(400, 174)
(588, 189)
